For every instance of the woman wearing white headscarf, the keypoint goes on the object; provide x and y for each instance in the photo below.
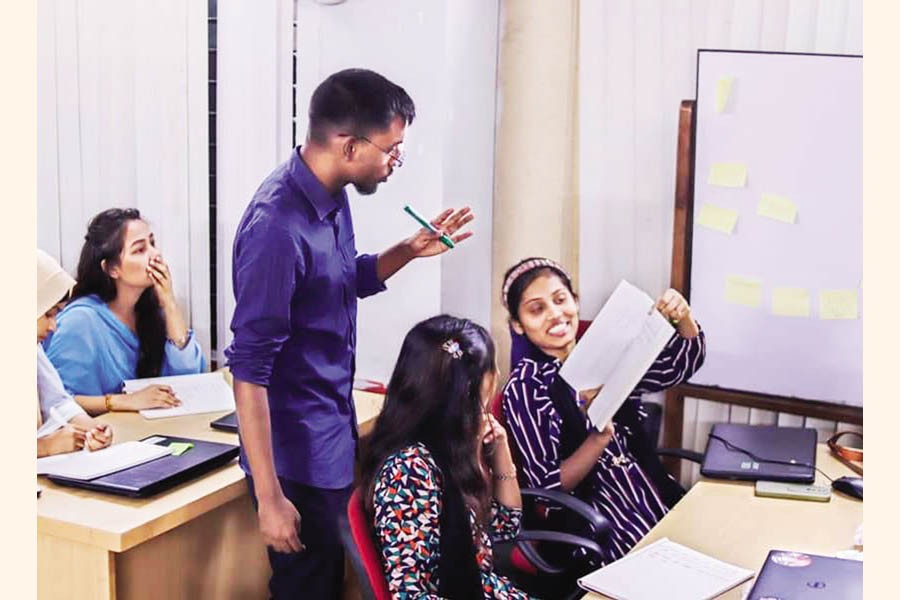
(63, 426)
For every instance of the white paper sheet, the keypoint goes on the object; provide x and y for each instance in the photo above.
(86, 465)
(615, 326)
(201, 393)
(633, 364)
(665, 569)
(616, 350)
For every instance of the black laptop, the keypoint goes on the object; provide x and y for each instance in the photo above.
(801, 576)
(162, 473)
(793, 445)
(226, 423)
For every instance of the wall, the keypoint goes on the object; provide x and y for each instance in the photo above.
(122, 122)
(535, 198)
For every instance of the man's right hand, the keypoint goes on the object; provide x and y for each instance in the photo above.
(279, 524)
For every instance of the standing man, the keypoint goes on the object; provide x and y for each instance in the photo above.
(296, 277)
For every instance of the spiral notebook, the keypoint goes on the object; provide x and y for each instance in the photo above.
(665, 569)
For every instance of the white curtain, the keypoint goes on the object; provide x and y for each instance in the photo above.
(122, 122)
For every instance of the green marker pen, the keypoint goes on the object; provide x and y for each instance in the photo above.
(444, 237)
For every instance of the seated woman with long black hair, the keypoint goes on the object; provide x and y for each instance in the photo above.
(438, 480)
(612, 466)
(123, 321)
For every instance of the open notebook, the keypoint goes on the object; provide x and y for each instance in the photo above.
(616, 350)
(86, 465)
(200, 393)
(665, 569)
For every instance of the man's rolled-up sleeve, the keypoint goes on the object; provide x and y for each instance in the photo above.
(367, 282)
(267, 267)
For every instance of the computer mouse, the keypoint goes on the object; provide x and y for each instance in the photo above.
(852, 486)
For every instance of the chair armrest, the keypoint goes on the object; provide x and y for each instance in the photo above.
(587, 512)
(544, 567)
(681, 453)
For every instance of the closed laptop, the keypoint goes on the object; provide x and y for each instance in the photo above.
(800, 576)
(163, 473)
(737, 451)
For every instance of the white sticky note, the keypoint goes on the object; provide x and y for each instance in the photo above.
(778, 208)
(717, 218)
(723, 93)
(838, 304)
(742, 290)
(790, 302)
(728, 175)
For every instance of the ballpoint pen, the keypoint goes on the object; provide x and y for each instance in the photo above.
(444, 237)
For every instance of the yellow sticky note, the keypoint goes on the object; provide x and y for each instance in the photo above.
(741, 290)
(728, 175)
(718, 218)
(838, 304)
(777, 207)
(723, 92)
(790, 302)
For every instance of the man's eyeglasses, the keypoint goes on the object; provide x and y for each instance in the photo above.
(395, 153)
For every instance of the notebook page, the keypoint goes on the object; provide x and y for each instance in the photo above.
(86, 465)
(665, 569)
(654, 334)
(594, 358)
(200, 393)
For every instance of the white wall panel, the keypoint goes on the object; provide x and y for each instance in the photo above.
(444, 55)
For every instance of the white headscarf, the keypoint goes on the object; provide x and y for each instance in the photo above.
(52, 282)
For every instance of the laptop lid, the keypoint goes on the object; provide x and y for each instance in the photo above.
(163, 473)
(769, 442)
(800, 576)
(226, 423)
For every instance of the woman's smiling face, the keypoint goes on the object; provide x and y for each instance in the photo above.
(548, 315)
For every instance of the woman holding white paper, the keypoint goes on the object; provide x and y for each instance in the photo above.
(123, 322)
(613, 466)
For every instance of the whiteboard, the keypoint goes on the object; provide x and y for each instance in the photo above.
(795, 122)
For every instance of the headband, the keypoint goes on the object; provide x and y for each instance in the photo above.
(528, 265)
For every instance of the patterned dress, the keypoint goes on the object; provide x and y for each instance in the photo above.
(620, 488)
(407, 509)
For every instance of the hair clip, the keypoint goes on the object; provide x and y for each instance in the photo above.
(452, 348)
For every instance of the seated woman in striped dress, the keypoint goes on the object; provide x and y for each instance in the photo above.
(612, 466)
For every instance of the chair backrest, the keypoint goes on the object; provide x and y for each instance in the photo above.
(356, 533)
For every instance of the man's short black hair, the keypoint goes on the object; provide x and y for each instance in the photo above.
(356, 102)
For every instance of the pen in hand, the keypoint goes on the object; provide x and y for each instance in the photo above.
(424, 223)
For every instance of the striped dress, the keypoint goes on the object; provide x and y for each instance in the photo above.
(620, 487)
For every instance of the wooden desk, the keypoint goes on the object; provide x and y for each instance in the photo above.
(198, 540)
(726, 520)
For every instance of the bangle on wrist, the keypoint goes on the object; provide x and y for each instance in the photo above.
(107, 399)
(505, 475)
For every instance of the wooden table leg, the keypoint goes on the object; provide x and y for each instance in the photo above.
(68, 569)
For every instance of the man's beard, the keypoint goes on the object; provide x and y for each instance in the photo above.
(365, 189)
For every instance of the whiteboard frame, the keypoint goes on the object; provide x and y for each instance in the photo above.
(769, 395)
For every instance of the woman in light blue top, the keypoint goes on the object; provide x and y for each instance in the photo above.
(124, 322)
